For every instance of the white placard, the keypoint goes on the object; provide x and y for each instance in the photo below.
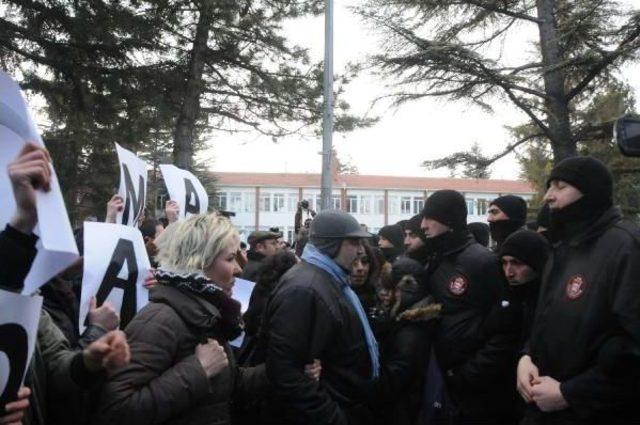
(242, 290)
(19, 318)
(56, 247)
(115, 266)
(186, 190)
(133, 186)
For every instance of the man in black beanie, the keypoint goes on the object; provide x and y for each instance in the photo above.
(523, 256)
(415, 240)
(465, 278)
(589, 302)
(506, 214)
(314, 314)
(391, 242)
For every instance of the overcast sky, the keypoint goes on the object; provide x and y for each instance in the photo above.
(404, 137)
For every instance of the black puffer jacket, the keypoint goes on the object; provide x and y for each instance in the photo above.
(590, 299)
(466, 280)
(308, 317)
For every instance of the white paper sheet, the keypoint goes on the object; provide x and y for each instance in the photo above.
(56, 247)
(19, 318)
(100, 243)
(132, 170)
(186, 190)
(242, 290)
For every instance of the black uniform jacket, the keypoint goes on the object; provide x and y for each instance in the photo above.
(475, 361)
(590, 300)
(308, 317)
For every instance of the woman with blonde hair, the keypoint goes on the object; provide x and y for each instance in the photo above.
(182, 370)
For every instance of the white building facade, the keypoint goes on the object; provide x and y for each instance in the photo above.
(265, 200)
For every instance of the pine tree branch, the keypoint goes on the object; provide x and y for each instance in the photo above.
(625, 46)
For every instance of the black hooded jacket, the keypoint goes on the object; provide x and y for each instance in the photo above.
(589, 300)
(475, 361)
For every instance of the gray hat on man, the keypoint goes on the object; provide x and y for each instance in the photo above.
(261, 236)
(330, 227)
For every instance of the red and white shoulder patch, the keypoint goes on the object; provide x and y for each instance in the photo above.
(458, 285)
(576, 286)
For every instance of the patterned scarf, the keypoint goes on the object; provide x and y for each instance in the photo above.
(199, 285)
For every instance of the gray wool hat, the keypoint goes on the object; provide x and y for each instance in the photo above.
(330, 227)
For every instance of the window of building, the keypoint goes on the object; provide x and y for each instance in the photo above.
(378, 204)
(405, 205)
(249, 202)
(394, 205)
(265, 202)
(366, 206)
(278, 202)
(337, 202)
(291, 235)
(292, 202)
(221, 201)
(234, 201)
(483, 205)
(418, 204)
(471, 207)
(352, 203)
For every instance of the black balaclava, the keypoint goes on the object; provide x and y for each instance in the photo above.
(594, 180)
(480, 232)
(449, 208)
(394, 234)
(516, 209)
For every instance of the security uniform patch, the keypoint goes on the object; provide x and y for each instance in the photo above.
(458, 285)
(576, 286)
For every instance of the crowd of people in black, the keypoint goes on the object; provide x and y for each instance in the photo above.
(424, 323)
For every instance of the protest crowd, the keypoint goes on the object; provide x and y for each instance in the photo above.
(430, 321)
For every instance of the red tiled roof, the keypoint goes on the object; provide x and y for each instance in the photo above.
(373, 182)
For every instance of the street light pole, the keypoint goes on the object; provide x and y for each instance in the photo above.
(327, 115)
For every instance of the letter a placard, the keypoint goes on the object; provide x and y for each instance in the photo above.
(186, 190)
(19, 318)
(115, 266)
(133, 186)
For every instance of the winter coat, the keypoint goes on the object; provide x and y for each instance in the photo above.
(308, 317)
(476, 364)
(589, 300)
(165, 383)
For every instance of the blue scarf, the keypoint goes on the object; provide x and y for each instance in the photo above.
(312, 255)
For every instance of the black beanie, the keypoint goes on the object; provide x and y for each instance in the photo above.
(393, 233)
(414, 225)
(514, 207)
(480, 232)
(589, 175)
(527, 246)
(447, 207)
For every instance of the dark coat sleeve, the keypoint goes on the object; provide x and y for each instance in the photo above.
(17, 252)
(152, 388)
(298, 329)
(600, 387)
